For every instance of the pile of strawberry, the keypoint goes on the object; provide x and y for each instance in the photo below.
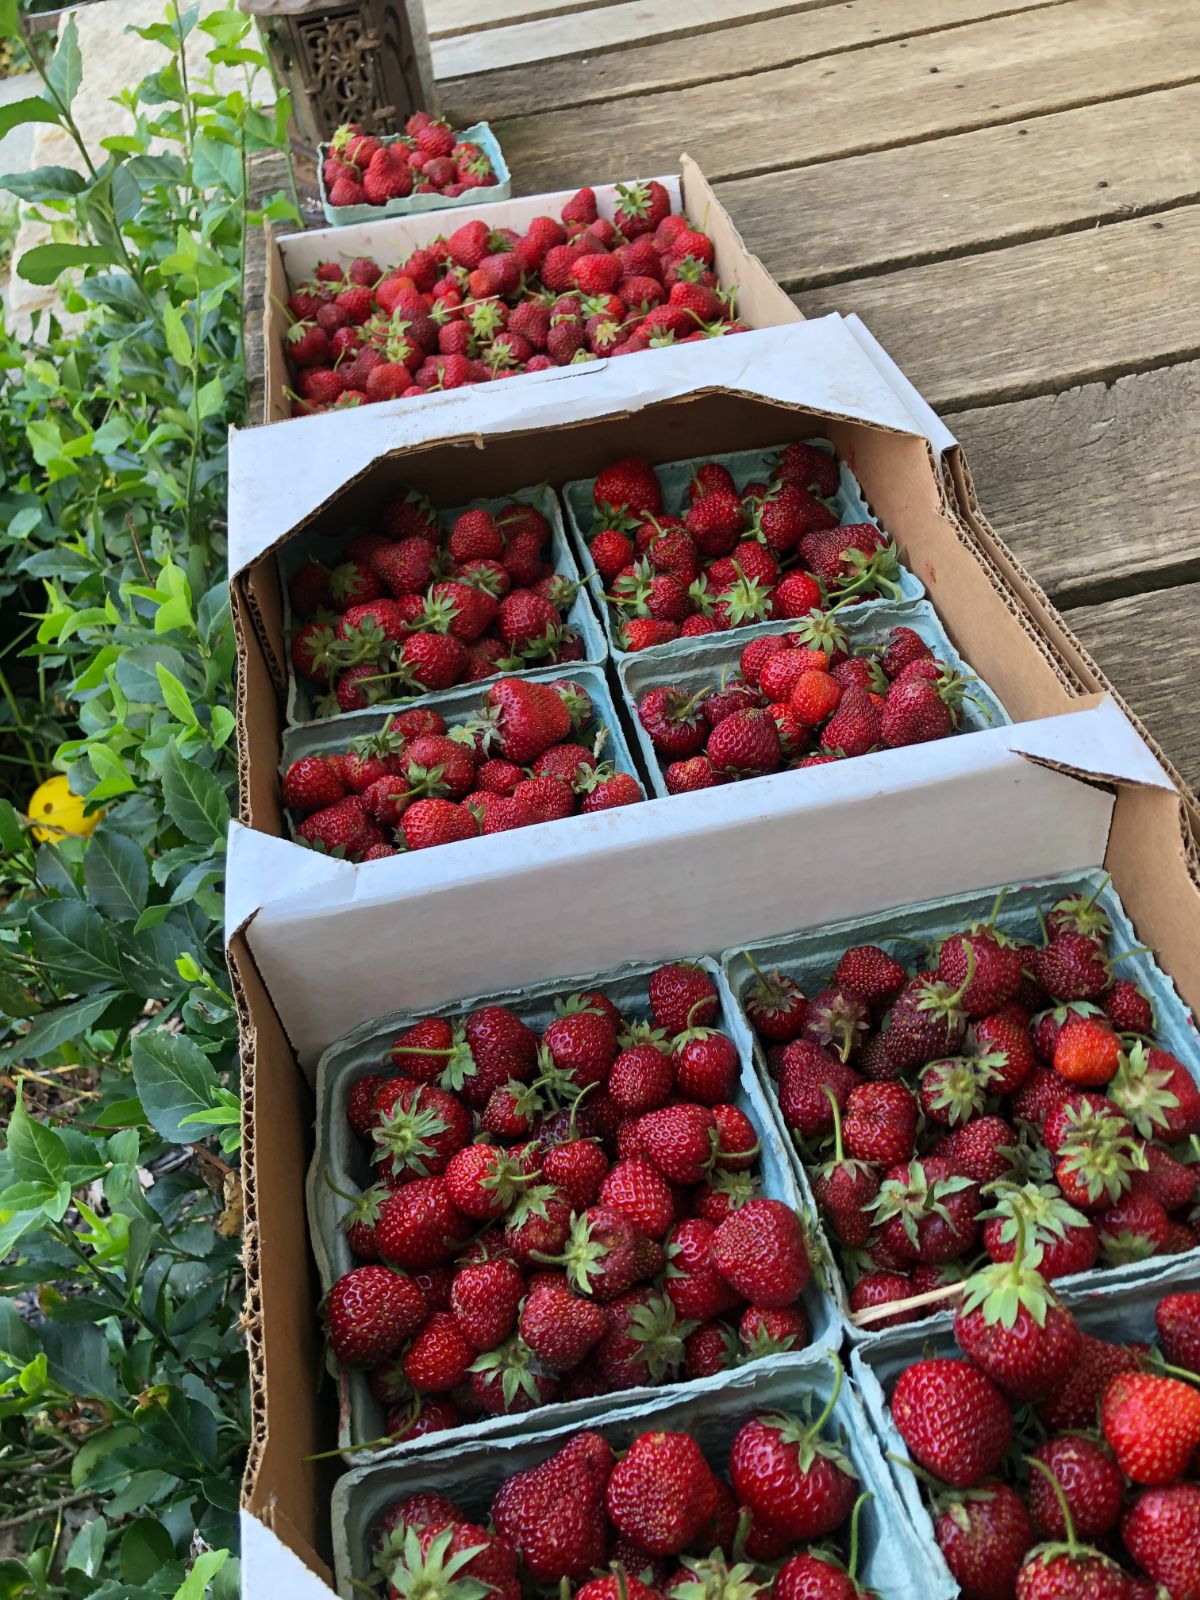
(563, 1216)
(1006, 1090)
(771, 550)
(1061, 1466)
(427, 159)
(657, 1521)
(491, 302)
(802, 699)
(414, 608)
(418, 783)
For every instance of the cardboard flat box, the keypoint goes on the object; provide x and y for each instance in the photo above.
(812, 379)
(1069, 792)
(292, 259)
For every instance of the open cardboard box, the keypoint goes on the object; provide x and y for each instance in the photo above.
(760, 389)
(1013, 804)
(292, 259)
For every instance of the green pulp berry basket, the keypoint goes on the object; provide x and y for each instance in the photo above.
(413, 205)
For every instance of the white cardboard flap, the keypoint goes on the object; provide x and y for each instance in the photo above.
(684, 875)
(270, 1571)
(279, 476)
(925, 418)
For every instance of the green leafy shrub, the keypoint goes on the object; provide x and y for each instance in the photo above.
(122, 1374)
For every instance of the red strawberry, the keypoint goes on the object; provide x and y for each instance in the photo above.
(1087, 1051)
(696, 1289)
(342, 829)
(370, 1312)
(1015, 1329)
(845, 1189)
(996, 971)
(606, 1254)
(880, 1123)
(644, 1343)
(985, 1536)
(578, 1167)
(630, 483)
(760, 1251)
(1133, 1228)
(927, 1212)
(1070, 1572)
(705, 1064)
(641, 1079)
(428, 823)
(553, 1514)
(311, 783)
(661, 1493)
(870, 973)
(790, 1477)
(560, 1327)
(1071, 967)
(639, 1192)
(484, 1298)
(1128, 1009)
(674, 722)
(775, 1005)
(538, 1225)
(745, 745)
(682, 996)
(581, 1040)
(805, 1073)
(1090, 1482)
(883, 1289)
(525, 719)
(1177, 1318)
(953, 1419)
(420, 1226)
(1161, 1531)
(1157, 1093)
(1074, 1405)
(419, 1132)
(1152, 1424)
(484, 1181)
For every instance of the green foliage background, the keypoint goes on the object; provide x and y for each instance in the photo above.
(122, 1372)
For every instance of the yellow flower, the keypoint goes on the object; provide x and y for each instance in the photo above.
(55, 811)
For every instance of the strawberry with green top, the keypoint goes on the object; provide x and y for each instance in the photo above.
(1068, 1570)
(845, 1188)
(790, 1475)
(1014, 1328)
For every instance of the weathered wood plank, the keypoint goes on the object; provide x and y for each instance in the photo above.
(612, 73)
(983, 74)
(445, 17)
(1094, 489)
(610, 27)
(973, 189)
(1146, 644)
(1037, 318)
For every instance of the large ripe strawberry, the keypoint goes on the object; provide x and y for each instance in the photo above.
(879, 1123)
(370, 1312)
(447, 1558)
(682, 996)
(1071, 967)
(1002, 1043)
(845, 1189)
(775, 1005)
(954, 1420)
(760, 1251)
(630, 484)
(1161, 1531)
(681, 1141)
(524, 719)
(789, 1476)
(484, 1298)
(696, 1288)
(996, 974)
(705, 1065)
(606, 1254)
(870, 973)
(560, 1327)
(926, 1212)
(1152, 1424)
(581, 1041)
(1071, 1572)
(1091, 1484)
(421, 1129)
(553, 1514)
(344, 829)
(639, 1191)
(1015, 1329)
(578, 1167)
(1177, 1318)
(641, 1079)
(420, 1226)
(538, 1225)
(661, 1493)
(439, 1357)
(806, 1072)
(1065, 1237)
(1134, 1228)
(645, 1342)
(484, 1181)
(1087, 1051)
(984, 1535)
(1157, 1093)
(503, 1047)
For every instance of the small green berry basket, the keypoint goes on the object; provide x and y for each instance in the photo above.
(414, 205)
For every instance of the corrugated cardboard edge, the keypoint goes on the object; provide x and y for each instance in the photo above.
(760, 301)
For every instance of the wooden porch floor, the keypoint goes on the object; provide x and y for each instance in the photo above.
(1008, 192)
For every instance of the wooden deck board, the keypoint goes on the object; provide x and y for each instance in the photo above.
(1038, 317)
(1094, 489)
(637, 48)
(988, 73)
(1146, 643)
(972, 191)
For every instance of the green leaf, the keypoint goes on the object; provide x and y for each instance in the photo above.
(87, 1548)
(35, 1152)
(65, 72)
(175, 697)
(198, 1579)
(178, 341)
(145, 1547)
(137, 671)
(54, 1028)
(217, 165)
(32, 109)
(195, 801)
(45, 263)
(174, 1080)
(44, 183)
(116, 875)
(12, 834)
(9, 12)
(77, 944)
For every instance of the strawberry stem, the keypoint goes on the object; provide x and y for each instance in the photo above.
(839, 1155)
(852, 1557)
(1068, 1522)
